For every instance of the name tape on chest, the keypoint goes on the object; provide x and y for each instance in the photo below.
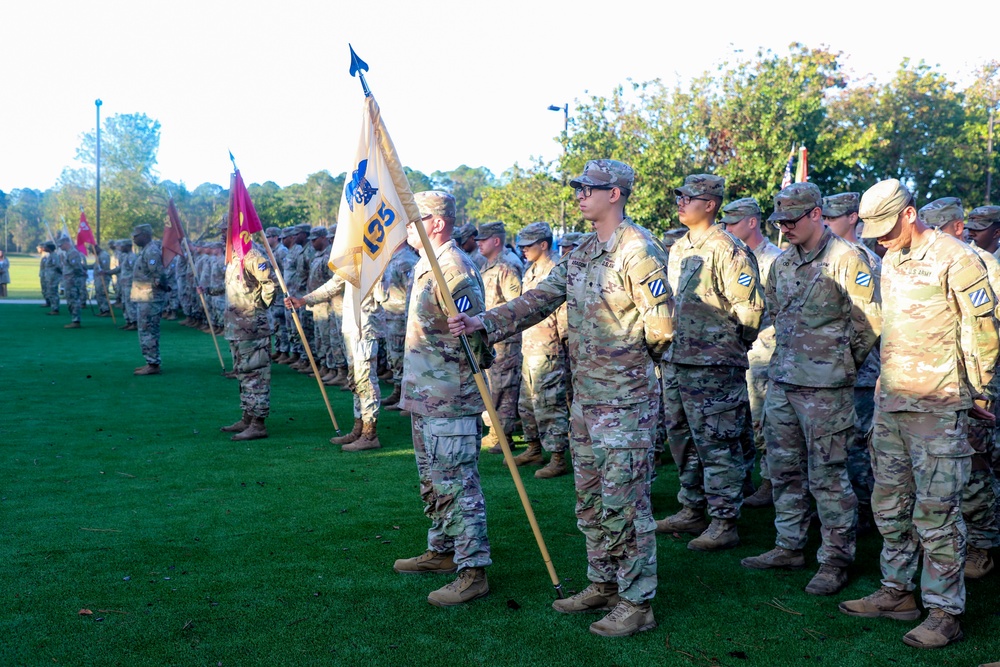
(463, 303)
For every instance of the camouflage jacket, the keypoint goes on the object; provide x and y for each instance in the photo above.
(716, 285)
(126, 267)
(869, 371)
(74, 265)
(826, 310)
(477, 258)
(249, 292)
(502, 282)
(619, 308)
(939, 336)
(545, 338)
(296, 271)
(513, 260)
(437, 377)
(393, 292)
(50, 266)
(148, 276)
(319, 272)
(760, 352)
(993, 274)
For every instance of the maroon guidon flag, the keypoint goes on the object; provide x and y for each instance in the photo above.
(84, 235)
(172, 234)
(243, 221)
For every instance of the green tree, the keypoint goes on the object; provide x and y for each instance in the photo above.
(522, 197)
(466, 184)
(129, 142)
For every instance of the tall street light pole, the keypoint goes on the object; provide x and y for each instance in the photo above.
(98, 103)
(562, 203)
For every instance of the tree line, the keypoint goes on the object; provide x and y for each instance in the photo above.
(739, 120)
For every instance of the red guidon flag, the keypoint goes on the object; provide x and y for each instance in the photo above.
(84, 235)
(172, 234)
(243, 220)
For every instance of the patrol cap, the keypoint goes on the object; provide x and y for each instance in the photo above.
(881, 204)
(464, 233)
(317, 233)
(795, 201)
(304, 228)
(125, 243)
(739, 209)
(50, 245)
(490, 229)
(982, 217)
(941, 211)
(842, 203)
(570, 239)
(436, 203)
(702, 184)
(271, 232)
(288, 231)
(605, 174)
(672, 236)
(139, 229)
(533, 233)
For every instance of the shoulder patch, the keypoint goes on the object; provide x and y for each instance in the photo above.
(744, 285)
(970, 273)
(979, 297)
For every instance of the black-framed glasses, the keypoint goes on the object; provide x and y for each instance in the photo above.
(789, 224)
(684, 200)
(587, 190)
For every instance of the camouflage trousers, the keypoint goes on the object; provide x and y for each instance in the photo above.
(859, 458)
(147, 319)
(101, 290)
(321, 331)
(612, 470)
(76, 296)
(50, 290)
(756, 392)
(338, 352)
(979, 499)
(542, 402)
(218, 306)
(294, 341)
(128, 306)
(921, 463)
(361, 355)
(174, 301)
(808, 431)
(279, 327)
(447, 453)
(706, 416)
(395, 341)
(504, 380)
(252, 363)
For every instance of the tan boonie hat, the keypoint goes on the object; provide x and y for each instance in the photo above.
(272, 231)
(941, 211)
(490, 229)
(696, 185)
(881, 205)
(605, 174)
(842, 203)
(570, 239)
(139, 229)
(464, 233)
(739, 209)
(533, 233)
(317, 233)
(795, 201)
(982, 217)
(436, 202)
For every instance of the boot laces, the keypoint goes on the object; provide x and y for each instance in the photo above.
(466, 574)
(936, 618)
(621, 611)
(978, 557)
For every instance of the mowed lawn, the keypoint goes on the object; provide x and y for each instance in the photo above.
(119, 495)
(23, 277)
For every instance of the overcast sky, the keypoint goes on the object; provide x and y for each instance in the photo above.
(458, 82)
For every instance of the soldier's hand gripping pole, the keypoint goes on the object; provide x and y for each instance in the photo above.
(490, 408)
(302, 333)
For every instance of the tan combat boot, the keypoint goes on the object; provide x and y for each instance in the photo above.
(350, 437)
(884, 603)
(554, 468)
(939, 629)
(72, 325)
(778, 557)
(240, 426)
(393, 398)
(342, 377)
(291, 359)
(368, 439)
(688, 520)
(429, 561)
(531, 456)
(148, 369)
(720, 534)
(492, 442)
(281, 358)
(828, 580)
(256, 431)
(597, 596)
(627, 618)
(761, 497)
(470, 584)
(978, 563)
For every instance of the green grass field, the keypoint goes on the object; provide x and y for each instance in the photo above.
(23, 277)
(119, 495)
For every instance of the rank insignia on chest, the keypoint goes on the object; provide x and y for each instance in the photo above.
(463, 304)
(657, 287)
(863, 279)
(744, 279)
(979, 297)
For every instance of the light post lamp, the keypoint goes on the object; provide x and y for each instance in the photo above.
(562, 203)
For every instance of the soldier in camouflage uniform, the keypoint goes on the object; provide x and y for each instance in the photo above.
(465, 238)
(216, 284)
(393, 294)
(939, 348)
(742, 218)
(173, 294)
(102, 280)
(983, 228)
(276, 314)
(716, 285)
(319, 273)
(296, 273)
(149, 293)
(125, 268)
(74, 277)
(980, 498)
(445, 405)
(619, 307)
(503, 283)
(249, 289)
(824, 299)
(840, 213)
(542, 402)
(51, 273)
